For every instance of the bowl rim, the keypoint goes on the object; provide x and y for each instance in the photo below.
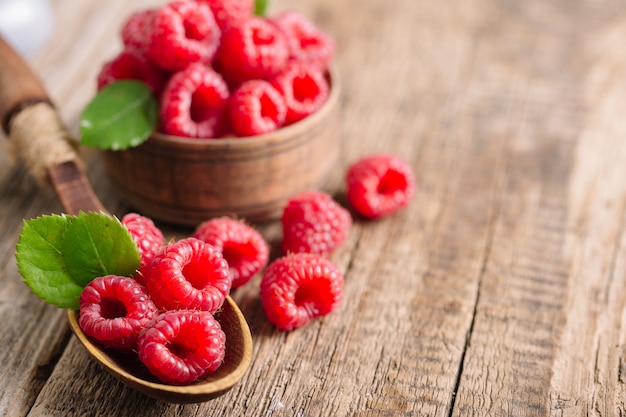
(285, 132)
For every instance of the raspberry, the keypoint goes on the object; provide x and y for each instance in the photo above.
(379, 184)
(307, 43)
(188, 274)
(304, 88)
(183, 32)
(194, 103)
(313, 222)
(253, 49)
(114, 309)
(180, 347)
(228, 13)
(256, 107)
(137, 29)
(298, 288)
(147, 237)
(130, 64)
(244, 249)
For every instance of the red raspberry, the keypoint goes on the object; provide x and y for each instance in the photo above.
(130, 64)
(137, 29)
(298, 288)
(378, 185)
(180, 347)
(228, 13)
(183, 32)
(253, 49)
(304, 88)
(194, 103)
(244, 249)
(114, 309)
(256, 107)
(188, 274)
(307, 43)
(313, 222)
(147, 237)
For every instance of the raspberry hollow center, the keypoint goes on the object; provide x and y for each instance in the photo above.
(235, 254)
(196, 275)
(180, 349)
(185, 344)
(269, 110)
(191, 31)
(204, 102)
(391, 182)
(305, 88)
(262, 37)
(313, 296)
(112, 308)
(308, 41)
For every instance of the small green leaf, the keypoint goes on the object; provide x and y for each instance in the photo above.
(121, 115)
(96, 245)
(260, 7)
(40, 261)
(58, 255)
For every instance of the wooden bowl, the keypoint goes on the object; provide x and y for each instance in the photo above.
(185, 181)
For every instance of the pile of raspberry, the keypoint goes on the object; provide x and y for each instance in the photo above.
(218, 70)
(166, 312)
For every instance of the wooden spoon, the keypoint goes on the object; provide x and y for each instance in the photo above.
(129, 370)
(41, 140)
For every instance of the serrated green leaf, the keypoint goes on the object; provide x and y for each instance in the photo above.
(40, 261)
(121, 115)
(260, 7)
(95, 245)
(58, 255)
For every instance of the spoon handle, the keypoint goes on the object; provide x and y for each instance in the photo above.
(39, 137)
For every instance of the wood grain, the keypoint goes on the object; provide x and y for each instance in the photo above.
(500, 291)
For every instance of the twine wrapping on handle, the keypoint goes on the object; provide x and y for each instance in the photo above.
(39, 138)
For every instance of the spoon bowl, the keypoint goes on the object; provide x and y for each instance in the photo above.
(129, 370)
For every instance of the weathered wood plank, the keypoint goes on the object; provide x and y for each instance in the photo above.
(541, 311)
(499, 291)
(589, 368)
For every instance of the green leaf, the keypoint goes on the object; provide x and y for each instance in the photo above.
(260, 7)
(40, 261)
(121, 115)
(96, 245)
(58, 255)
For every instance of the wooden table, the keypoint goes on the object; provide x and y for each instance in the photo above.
(499, 292)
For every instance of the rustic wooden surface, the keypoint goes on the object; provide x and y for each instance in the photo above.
(499, 292)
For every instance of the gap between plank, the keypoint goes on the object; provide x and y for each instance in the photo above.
(470, 330)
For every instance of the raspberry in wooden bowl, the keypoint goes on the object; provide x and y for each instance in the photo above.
(187, 180)
(247, 111)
